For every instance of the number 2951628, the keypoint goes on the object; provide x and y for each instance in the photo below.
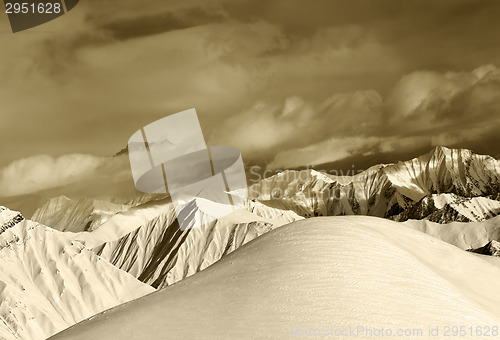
(33, 8)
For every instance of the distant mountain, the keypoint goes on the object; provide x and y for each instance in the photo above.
(147, 241)
(446, 208)
(83, 214)
(49, 282)
(393, 191)
(464, 235)
(406, 190)
(64, 214)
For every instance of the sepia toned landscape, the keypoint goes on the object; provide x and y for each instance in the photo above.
(367, 133)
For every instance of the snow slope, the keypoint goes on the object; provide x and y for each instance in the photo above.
(159, 253)
(49, 282)
(147, 242)
(471, 235)
(337, 272)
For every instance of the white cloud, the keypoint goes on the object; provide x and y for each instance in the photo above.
(434, 95)
(33, 174)
(296, 123)
(425, 109)
(327, 151)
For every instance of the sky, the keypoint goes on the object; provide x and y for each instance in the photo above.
(289, 83)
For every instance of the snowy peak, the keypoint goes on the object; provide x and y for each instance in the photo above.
(159, 252)
(392, 189)
(446, 208)
(65, 214)
(85, 214)
(9, 218)
(444, 170)
(49, 282)
(442, 152)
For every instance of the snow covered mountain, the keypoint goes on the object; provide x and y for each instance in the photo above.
(464, 185)
(464, 235)
(84, 214)
(329, 273)
(444, 185)
(9, 218)
(144, 238)
(147, 242)
(64, 214)
(49, 282)
(444, 208)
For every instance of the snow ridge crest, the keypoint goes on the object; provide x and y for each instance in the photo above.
(9, 218)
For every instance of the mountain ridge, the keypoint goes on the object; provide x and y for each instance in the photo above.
(48, 281)
(9, 218)
(384, 190)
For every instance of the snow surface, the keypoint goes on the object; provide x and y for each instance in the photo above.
(465, 235)
(336, 272)
(48, 282)
(8, 217)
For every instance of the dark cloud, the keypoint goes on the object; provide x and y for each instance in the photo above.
(357, 77)
(424, 109)
(157, 23)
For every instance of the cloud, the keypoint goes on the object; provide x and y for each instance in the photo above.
(327, 151)
(33, 174)
(439, 96)
(295, 123)
(266, 77)
(92, 68)
(424, 109)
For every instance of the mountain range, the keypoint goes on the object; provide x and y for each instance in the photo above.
(95, 253)
(49, 282)
(143, 237)
(444, 185)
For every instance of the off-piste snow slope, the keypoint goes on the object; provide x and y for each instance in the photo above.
(49, 282)
(322, 273)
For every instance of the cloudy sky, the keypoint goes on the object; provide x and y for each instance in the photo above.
(289, 83)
